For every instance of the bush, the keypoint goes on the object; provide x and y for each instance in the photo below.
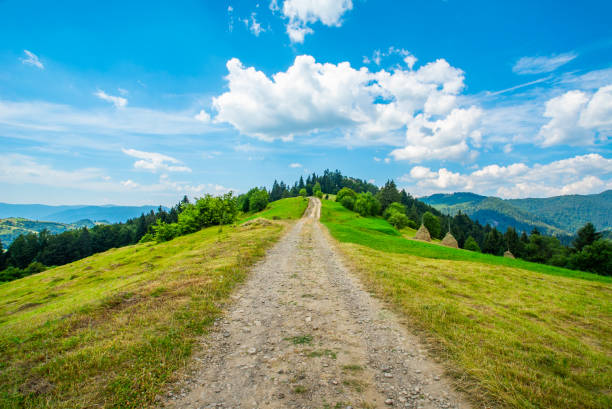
(367, 205)
(394, 207)
(258, 200)
(318, 194)
(345, 191)
(399, 220)
(165, 231)
(303, 192)
(348, 202)
(596, 257)
(470, 244)
(147, 238)
(411, 223)
(433, 224)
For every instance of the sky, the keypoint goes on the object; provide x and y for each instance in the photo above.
(137, 103)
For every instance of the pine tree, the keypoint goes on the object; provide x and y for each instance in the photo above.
(586, 236)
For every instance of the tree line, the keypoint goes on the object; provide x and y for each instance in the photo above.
(32, 253)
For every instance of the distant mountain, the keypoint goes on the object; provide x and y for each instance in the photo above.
(560, 215)
(72, 214)
(12, 227)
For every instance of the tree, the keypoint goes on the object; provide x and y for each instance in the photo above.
(394, 207)
(514, 243)
(399, 220)
(433, 224)
(470, 244)
(367, 205)
(258, 200)
(344, 192)
(303, 192)
(316, 188)
(595, 257)
(348, 202)
(586, 236)
(388, 194)
(494, 243)
(2, 257)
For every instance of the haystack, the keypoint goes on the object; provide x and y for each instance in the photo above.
(449, 241)
(422, 234)
(508, 254)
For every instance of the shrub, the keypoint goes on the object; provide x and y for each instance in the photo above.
(399, 220)
(303, 192)
(348, 202)
(345, 191)
(367, 205)
(258, 200)
(470, 244)
(165, 231)
(433, 224)
(147, 238)
(318, 194)
(394, 207)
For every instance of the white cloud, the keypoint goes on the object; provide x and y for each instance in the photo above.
(366, 107)
(584, 174)
(253, 25)
(378, 55)
(32, 59)
(295, 165)
(155, 162)
(302, 13)
(118, 102)
(576, 118)
(203, 116)
(539, 65)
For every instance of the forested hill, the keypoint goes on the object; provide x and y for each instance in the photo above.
(560, 215)
(13, 227)
(72, 214)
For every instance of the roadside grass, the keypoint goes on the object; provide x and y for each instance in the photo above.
(109, 331)
(378, 234)
(287, 209)
(510, 336)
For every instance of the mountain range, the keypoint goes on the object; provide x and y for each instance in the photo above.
(73, 213)
(559, 215)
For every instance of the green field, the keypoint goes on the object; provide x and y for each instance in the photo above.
(288, 209)
(111, 330)
(514, 334)
(376, 233)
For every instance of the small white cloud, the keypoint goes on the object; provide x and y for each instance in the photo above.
(123, 91)
(295, 165)
(32, 59)
(203, 116)
(130, 184)
(376, 159)
(253, 25)
(118, 102)
(539, 65)
(301, 13)
(155, 162)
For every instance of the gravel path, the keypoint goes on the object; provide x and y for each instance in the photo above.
(303, 333)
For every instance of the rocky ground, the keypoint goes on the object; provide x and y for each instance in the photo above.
(303, 333)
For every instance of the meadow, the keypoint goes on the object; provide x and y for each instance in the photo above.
(513, 334)
(113, 329)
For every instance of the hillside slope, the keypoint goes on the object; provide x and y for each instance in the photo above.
(516, 334)
(560, 215)
(112, 330)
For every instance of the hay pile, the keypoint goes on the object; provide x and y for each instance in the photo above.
(450, 241)
(257, 222)
(508, 254)
(422, 234)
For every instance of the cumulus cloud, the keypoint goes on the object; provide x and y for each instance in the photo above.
(367, 107)
(583, 174)
(32, 59)
(203, 116)
(539, 65)
(302, 13)
(155, 162)
(576, 118)
(118, 102)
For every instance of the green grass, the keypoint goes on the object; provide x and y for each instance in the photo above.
(377, 233)
(513, 337)
(112, 330)
(287, 209)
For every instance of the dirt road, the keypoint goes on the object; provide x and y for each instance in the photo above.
(302, 333)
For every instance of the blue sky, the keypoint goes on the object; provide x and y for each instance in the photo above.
(142, 102)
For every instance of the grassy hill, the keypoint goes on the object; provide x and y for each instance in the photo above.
(561, 215)
(12, 227)
(110, 330)
(518, 334)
